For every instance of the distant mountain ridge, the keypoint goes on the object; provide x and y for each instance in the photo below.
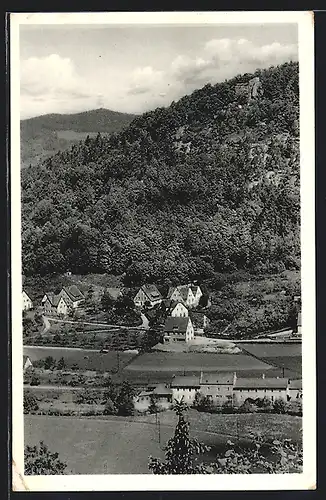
(45, 135)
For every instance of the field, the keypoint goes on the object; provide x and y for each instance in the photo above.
(286, 356)
(84, 358)
(117, 445)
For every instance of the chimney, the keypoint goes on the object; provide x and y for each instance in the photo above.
(263, 375)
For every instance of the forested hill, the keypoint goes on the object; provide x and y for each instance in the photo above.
(45, 135)
(208, 185)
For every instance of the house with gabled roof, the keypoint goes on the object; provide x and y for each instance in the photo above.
(253, 388)
(27, 302)
(218, 386)
(55, 305)
(147, 294)
(178, 329)
(188, 294)
(185, 388)
(178, 309)
(72, 296)
(26, 362)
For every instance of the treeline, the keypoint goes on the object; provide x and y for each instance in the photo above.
(206, 186)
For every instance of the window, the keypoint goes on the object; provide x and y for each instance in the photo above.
(272, 398)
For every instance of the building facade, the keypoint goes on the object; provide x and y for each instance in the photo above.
(147, 294)
(179, 310)
(253, 388)
(178, 329)
(27, 302)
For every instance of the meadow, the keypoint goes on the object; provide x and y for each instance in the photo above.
(122, 445)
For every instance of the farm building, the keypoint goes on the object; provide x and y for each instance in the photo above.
(185, 388)
(27, 302)
(27, 363)
(178, 309)
(272, 388)
(217, 386)
(188, 294)
(178, 329)
(147, 294)
(200, 321)
(161, 394)
(72, 296)
(295, 389)
(55, 305)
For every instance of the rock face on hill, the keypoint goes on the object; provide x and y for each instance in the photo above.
(208, 185)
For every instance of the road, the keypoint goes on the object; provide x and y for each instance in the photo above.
(93, 323)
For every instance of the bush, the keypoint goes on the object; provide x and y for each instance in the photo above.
(35, 380)
(30, 403)
(228, 407)
(247, 407)
(110, 408)
(39, 460)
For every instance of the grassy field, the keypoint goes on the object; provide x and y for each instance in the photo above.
(287, 357)
(118, 445)
(85, 359)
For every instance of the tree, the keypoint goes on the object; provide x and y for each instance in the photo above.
(180, 450)
(49, 363)
(203, 301)
(279, 405)
(124, 401)
(153, 407)
(110, 408)
(61, 364)
(39, 460)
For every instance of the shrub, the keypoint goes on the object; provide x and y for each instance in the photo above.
(247, 407)
(30, 403)
(35, 380)
(110, 408)
(39, 460)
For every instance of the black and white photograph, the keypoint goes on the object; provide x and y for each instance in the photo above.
(163, 308)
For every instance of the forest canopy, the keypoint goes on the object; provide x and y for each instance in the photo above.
(207, 185)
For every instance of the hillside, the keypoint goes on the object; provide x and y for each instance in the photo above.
(45, 135)
(207, 186)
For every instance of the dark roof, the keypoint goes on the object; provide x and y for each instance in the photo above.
(186, 381)
(295, 384)
(176, 324)
(54, 299)
(182, 289)
(261, 383)
(28, 292)
(210, 378)
(151, 291)
(74, 292)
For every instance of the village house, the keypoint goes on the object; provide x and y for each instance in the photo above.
(55, 305)
(295, 390)
(178, 329)
(72, 296)
(27, 363)
(185, 388)
(147, 294)
(161, 394)
(200, 322)
(27, 302)
(218, 386)
(253, 388)
(188, 294)
(178, 309)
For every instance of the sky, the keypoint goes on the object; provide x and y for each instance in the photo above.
(133, 69)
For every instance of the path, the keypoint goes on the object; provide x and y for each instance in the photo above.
(93, 323)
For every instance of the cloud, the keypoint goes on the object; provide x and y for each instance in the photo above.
(51, 83)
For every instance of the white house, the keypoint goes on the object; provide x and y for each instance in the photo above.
(295, 390)
(179, 310)
(72, 296)
(27, 302)
(178, 329)
(218, 386)
(147, 294)
(161, 394)
(271, 388)
(188, 294)
(185, 388)
(26, 363)
(55, 305)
